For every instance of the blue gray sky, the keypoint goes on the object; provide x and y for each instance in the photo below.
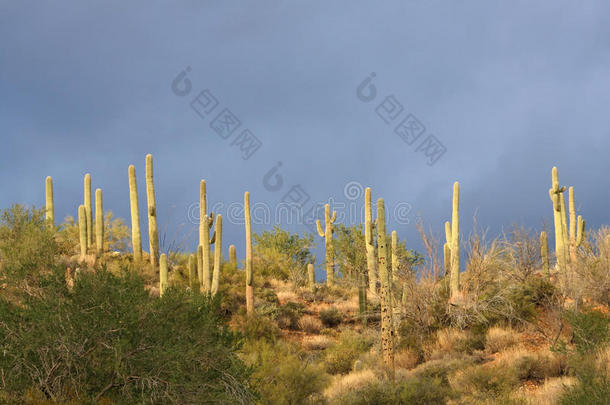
(509, 89)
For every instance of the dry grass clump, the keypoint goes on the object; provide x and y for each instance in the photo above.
(310, 324)
(602, 361)
(343, 384)
(548, 393)
(498, 339)
(285, 296)
(449, 342)
(348, 306)
(531, 365)
(316, 342)
(406, 359)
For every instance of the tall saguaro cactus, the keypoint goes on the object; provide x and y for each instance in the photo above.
(50, 205)
(205, 222)
(88, 209)
(554, 193)
(99, 222)
(249, 275)
(311, 277)
(162, 274)
(327, 234)
(153, 232)
(233, 256)
(455, 242)
(544, 253)
(387, 339)
(217, 255)
(82, 231)
(369, 241)
(136, 236)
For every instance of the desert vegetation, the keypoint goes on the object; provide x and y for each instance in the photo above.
(89, 316)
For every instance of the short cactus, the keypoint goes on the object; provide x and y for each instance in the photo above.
(153, 233)
(233, 256)
(387, 338)
(455, 242)
(371, 264)
(327, 234)
(82, 231)
(88, 208)
(50, 205)
(544, 253)
(162, 274)
(136, 236)
(311, 277)
(217, 255)
(99, 222)
(249, 270)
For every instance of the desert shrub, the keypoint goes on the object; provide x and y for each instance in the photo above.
(484, 383)
(498, 339)
(454, 342)
(342, 385)
(27, 244)
(108, 340)
(590, 329)
(340, 358)
(592, 388)
(117, 235)
(256, 327)
(316, 342)
(284, 375)
(406, 359)
(531, 365)
(289, 315)
(310, 324)
(331, 317)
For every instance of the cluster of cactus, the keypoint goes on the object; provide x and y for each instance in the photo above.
(567, 238)
(451, 248)
(327, 234)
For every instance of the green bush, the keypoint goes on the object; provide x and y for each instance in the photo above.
(283, 375)
(289, 315)
(340, 358)
(590, 329)
(331, 317)
(256, 327)
(27, 244)
(109, 340)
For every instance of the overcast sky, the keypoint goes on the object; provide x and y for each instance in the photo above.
(508, 90)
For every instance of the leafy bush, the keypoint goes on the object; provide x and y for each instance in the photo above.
(108, 340)
(310, 324)
(590, 329)
(27, 244)
(340, 358)
(256, 327)
(289, 315)
(331, 317)
(284, 375)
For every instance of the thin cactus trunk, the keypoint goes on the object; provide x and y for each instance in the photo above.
(455, 242)
(88, 209)
(387, 339)
(544, 253)
(193, 272)
(233, 256)
(136, 236)
(82, 231)
(370, 242)
(162, 274)
(205, 262)
(50, 205)
(99, 222)
(311, 277)
(217, 255)
(249, 275)
(554, 193)
(153, 232)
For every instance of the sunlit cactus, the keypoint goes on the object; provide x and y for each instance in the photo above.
(205, 223)
(544, 253)
(311, 277)
(82, 231)
(233, 256)
(192, 267)
(88, 209)
(577, 227)
(249, 270)
(371, 264)
(99, 222)
(455, 242)
(387, 338)
(447, 249)
(327, 234)
(554, 193)
(162, 274)
(153, 233)
(136, 236)
(205, 261)
(217, 255)
(50, 204)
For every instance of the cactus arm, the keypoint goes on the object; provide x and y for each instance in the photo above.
(319, 227)
(581, 231)
(213, 238)
(334, 217)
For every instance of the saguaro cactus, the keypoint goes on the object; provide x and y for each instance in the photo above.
(544, 253)
(50, 205)
(233, 256)
(554, 193)
(162, 274)
(82, 230)
(311, 277)
(447, 249)
(387, 338)
(327, 234)
(577, 227)
(88, 208)
(455, 242)
(136, 236)
(99, 222)
(193, 272)
(153, 232)
(369, 242)
(200, 266)
(217, 255)
(249, 270)
(205, 223)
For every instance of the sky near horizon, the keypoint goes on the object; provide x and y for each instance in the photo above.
(498, 93)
